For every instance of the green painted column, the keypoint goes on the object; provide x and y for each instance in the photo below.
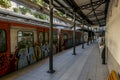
(88, 36)
(83, 36)
(74, 43)
(51, 70)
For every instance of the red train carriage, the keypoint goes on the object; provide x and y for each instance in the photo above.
(44, 40)
(4, 48)
(55, 40)
(78, 37)
(66, 39)
(20, 45)
(23, 44)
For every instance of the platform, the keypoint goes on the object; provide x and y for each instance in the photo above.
(86, 65)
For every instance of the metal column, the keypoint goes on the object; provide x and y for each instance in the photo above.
(88, 36)
(51, 39)
(91, 36)
(74, 43)
(83, 36)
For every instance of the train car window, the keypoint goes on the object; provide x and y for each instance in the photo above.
(25, 39)
(3, 41)
(41, 37)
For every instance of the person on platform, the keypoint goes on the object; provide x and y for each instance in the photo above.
(103, 56)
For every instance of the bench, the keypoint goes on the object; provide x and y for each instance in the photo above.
(112, 76)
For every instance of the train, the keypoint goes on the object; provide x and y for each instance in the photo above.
(24, 44)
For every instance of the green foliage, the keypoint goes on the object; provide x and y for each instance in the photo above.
(29, 11)
(36, 15)
(23, 10)
(41, 16)
(60, 14)
(16, 10)
(39, 2)
(45, 5)
(5, 3)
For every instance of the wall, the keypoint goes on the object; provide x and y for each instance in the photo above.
(113, 36)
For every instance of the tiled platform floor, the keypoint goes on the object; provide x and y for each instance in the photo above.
(86, 65)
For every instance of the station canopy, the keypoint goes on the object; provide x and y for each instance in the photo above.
(88, 12)
(92, 12)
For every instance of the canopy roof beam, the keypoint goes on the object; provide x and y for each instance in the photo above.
(94, 12)
(75, 7)
(95, 3)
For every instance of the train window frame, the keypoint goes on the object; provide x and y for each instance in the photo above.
(5, 41)
(22, 36)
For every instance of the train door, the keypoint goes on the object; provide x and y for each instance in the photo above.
(77, 38)
(65, 37)
(4, 49)
(46, 43)
(40, 43)
(65, 40)
(55, 41)
(26, 49)
(61, 40)
(70, 39)
(22, 45)
(41, 38)
(46, 36)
